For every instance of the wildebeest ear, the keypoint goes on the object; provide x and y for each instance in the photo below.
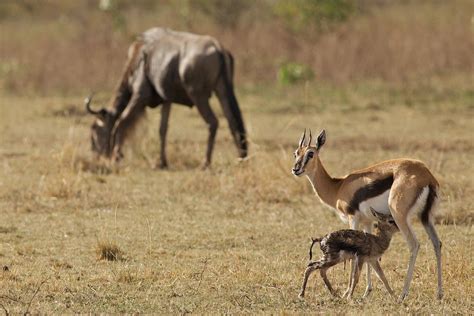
(321, 139)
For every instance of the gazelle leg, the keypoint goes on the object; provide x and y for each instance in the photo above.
(346, 292)
(430, 230)
(378, 270)
(322, 271)
(165, 114)
(368, 289)
(323, 268)
(413, 245)
(358, 263)
(312, 266)
(323, 265)
(354, 224)
(402, 202)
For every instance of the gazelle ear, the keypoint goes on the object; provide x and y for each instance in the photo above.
(321, 139)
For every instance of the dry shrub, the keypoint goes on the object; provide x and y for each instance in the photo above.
(60, 265)
(100, 167)
(66, 183)
(108, 250)
(125, 276)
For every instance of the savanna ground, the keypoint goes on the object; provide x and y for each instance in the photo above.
(233, 238)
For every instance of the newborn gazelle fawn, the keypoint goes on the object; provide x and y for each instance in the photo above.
(356, 245)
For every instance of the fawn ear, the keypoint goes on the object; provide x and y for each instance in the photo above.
(378, 216)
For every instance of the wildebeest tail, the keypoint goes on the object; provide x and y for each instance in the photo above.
(231, 108)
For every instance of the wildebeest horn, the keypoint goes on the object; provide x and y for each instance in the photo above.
(302, 138)
(87, 102)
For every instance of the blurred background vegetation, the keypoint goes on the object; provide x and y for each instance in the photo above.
(69, 47)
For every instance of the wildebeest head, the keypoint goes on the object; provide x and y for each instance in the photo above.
(101, 129)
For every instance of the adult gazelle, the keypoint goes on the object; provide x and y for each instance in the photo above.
(400, 187)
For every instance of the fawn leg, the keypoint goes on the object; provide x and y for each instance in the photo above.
(368, 289)
(354, 224)
(378, 270)
(322, 271)
(312, 266)
(358, 263)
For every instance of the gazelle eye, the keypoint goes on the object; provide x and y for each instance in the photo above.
(310, 154)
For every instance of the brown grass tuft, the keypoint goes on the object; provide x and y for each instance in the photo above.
(108, 250)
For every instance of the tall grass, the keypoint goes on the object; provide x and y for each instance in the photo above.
(71, 47)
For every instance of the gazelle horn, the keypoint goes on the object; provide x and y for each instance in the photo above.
(302, 138)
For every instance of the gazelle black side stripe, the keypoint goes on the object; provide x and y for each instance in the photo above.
(371, 190)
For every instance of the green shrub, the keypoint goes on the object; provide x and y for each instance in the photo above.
(300, 14)
(291, 73)
(225, 13)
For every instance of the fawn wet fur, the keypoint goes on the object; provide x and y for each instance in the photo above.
(352, 244)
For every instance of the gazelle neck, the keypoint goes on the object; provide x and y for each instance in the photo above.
(323, 184)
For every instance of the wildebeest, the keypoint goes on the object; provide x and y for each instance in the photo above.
(165, 67)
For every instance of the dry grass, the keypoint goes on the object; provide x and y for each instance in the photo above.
(108, 250)
(71, 46)
(231, 239)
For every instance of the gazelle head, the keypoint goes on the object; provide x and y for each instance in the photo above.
(305, 154)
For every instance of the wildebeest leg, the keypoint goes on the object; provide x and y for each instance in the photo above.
(165, 114)
(129, 117)
(208, 115)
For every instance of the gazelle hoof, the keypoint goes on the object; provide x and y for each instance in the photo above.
(367, 292)
(402, 297)
(345, 293)
(301, 296)
(440, 295)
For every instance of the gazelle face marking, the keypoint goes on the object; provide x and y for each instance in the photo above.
(302, 157)
(305, 153)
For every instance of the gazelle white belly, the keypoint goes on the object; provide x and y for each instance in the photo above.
(379, 203)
